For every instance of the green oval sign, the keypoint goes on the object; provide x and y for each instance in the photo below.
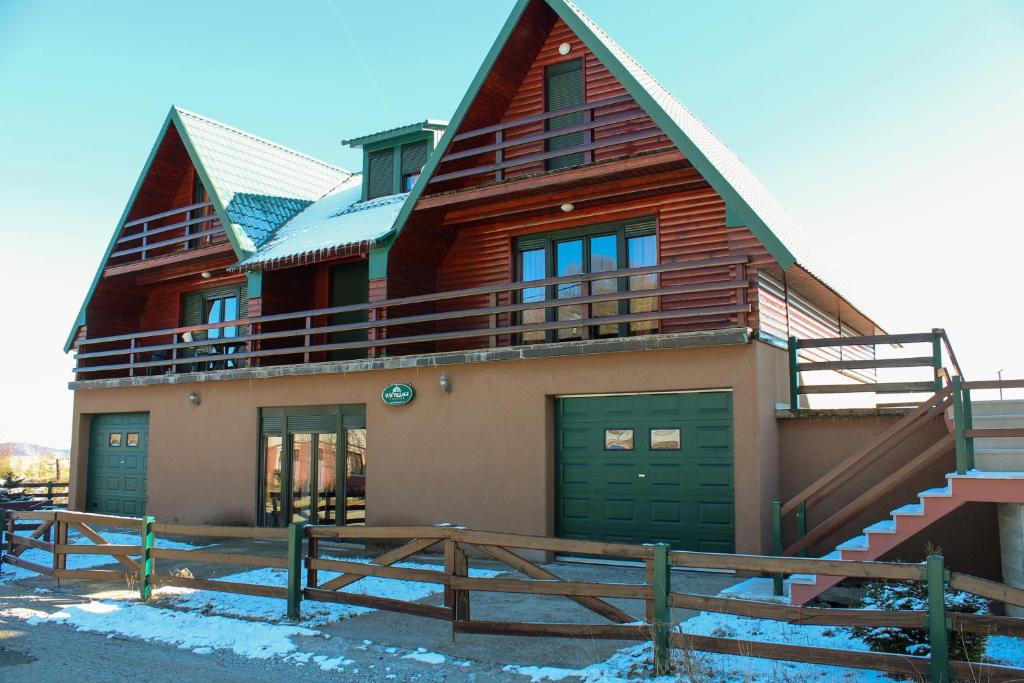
(397, 394)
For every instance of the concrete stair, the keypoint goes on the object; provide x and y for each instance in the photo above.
(905, 521)
(999, 454)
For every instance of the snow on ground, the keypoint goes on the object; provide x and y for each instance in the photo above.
(313, 613)
(11, 573)
(185, 630)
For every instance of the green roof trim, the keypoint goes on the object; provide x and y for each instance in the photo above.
(171, 119)
(429, 125)
(738, 208)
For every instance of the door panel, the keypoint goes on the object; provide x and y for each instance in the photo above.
(118, 462)
(646, 468)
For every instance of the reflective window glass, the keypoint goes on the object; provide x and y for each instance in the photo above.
(618, 439)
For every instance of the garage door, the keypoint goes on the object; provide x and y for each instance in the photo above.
(118, 450)
(646, 468)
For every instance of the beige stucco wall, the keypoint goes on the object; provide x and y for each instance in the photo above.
(480, 456)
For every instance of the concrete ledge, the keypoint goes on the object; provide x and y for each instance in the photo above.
(805, 413)
(655, 342)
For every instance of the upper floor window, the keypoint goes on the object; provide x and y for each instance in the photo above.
(563, 87)
(394, 169)
(597, 249)
(380, 173)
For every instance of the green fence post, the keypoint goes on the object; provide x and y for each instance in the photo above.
(938, 629)
(3, 539)
(968, 424)
(794, 376)
(958, 427)
(662, 614)
(777, 543)
(147, 542)
(937, 358)
(295, 533)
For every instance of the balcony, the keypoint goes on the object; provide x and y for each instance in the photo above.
(610, 128)
(171, 235)
(703, 294)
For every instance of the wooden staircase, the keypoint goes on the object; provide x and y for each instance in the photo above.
(879, 538)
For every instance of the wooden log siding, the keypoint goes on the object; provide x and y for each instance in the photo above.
(136, 347)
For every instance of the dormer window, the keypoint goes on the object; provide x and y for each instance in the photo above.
(394, 159)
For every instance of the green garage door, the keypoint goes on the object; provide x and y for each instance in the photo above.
(646, 468)
(118, 456)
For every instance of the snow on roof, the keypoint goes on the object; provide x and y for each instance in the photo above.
(338, 223)
(260, 183)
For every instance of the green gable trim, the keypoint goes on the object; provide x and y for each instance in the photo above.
(737, 207)
(172, 119)
(732, 198)
(254, 283)
(379, 261)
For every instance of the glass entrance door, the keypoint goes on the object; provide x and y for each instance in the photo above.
(301, 481)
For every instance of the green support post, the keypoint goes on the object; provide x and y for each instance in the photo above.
(295, 533)
(938, 628)
(662, 610)
(3, 539)
(968, 424)
(937, 358)
(962, 460)
(147, 541)
(794, 375)
(777, 543)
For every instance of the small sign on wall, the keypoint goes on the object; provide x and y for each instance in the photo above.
(397, 394)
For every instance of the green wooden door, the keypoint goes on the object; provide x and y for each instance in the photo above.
(118, 458)
(646, 468)
(350, 284)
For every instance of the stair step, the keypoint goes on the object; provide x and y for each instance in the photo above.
(916, 509)
(944, 492)
(855, 543)
(986, 474)
(1005, 407)
(886, 526)
(805, 579)
(834, 555)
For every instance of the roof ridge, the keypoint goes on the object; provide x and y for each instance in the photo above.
(262, 140)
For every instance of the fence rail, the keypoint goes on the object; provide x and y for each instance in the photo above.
(220, 345)
(304, 550)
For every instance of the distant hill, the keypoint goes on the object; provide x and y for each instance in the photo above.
(34, 462)
(32, 450)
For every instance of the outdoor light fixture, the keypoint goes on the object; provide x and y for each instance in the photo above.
(206, 275)
(446, 384)
(194, 397)
(564, 48)
(568, 207)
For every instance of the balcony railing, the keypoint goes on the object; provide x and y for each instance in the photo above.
(503, 145)
(187, 227)
(261, 340)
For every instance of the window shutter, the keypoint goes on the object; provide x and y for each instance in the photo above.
(303, 424)
(192, 309)
(564, 88)
(380, 180)
(414, 157)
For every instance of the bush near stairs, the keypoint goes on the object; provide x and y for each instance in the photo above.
(899, 595)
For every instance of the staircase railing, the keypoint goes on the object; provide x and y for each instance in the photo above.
(963, 419)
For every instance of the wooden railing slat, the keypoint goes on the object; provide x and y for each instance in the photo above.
(534, 118)
(165, 214)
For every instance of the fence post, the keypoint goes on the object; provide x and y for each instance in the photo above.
(937, 358)
(777, 543)
(295, 533)
(801, 525)
(3, 538)
(794, 376)
(662, 614)
(938, 633)
(958, 426)
(968, 423)
(146, 559)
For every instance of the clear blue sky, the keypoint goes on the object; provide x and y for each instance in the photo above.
(893, 128)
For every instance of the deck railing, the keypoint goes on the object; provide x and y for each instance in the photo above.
(594, 116)
(302, 548)
(179, 229)
(218, 346)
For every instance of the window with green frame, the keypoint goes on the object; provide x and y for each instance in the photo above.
(564, 87)
(596, 249)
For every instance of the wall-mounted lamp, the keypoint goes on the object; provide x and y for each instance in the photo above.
(206, 275)
(567, 207)
(446, 384)
(564, 48)
(193, 396)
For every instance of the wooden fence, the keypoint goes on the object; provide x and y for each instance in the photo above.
(303, 549)
(48, 493)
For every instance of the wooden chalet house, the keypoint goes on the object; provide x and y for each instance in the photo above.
(566, 312)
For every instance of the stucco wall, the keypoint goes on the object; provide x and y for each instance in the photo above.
(480, 456)
(810, 446)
